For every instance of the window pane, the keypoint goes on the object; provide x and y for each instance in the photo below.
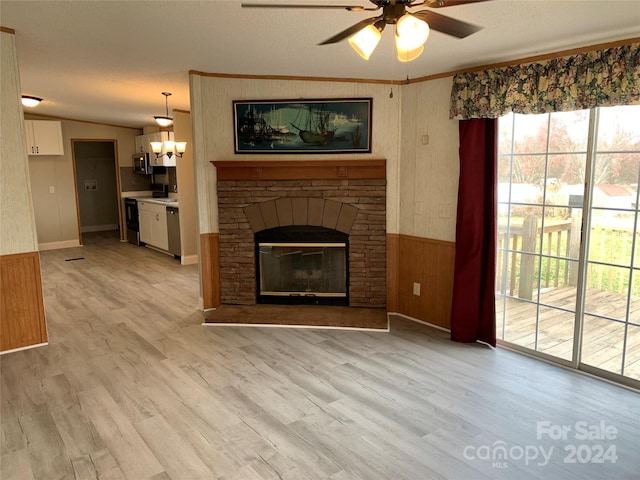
(528, 177)
(606, 293)
(632, 357)
(505, 133)
(619, 128)
(564, 293)
(566, 176)
(520, 325)
(526, 220)
(569, 131)
(610, 241)
(530, 133)
(602, 343)
(555, 332)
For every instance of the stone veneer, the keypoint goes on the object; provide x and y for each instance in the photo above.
(354, 206)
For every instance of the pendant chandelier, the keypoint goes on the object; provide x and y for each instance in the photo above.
(164, 120)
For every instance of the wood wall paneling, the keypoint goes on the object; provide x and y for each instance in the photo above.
(23, 321)
(210, 269)
(429, 263)
(393, 254)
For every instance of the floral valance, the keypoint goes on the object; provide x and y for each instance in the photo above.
(598, 78)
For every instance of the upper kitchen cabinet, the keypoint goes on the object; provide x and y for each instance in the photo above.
(44, 137)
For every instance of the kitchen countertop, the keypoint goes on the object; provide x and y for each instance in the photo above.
(169, 202)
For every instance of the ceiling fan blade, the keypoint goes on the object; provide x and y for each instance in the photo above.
(351, 8)
(353, 29)
(448, 3)
(447, 25)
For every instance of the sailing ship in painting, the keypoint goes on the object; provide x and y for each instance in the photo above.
(253, 128)
(315, 130)
(301, 126)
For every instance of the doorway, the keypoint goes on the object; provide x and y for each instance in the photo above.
(97, 186)
(568, 261)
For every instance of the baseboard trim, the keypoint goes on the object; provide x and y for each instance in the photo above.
(28, 347)
(314, 327)
(99, 228)
(58, 245)
(189, 259)
(407, 317)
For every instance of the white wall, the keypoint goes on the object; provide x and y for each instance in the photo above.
(56, 213)
(212, 117)
(17, 225)
(428, 172)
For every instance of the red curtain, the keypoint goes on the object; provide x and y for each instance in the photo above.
(473, 313)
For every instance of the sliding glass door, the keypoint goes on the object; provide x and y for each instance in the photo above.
(568, 268)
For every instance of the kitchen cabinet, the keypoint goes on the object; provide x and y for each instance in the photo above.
(44, 137)
(143, 145)
(153, 224)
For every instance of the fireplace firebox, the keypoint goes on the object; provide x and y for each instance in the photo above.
(302, 265)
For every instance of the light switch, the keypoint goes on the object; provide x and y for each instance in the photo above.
(52, 189)
(416, 289)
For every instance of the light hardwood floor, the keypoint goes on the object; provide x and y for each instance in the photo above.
(132, 386)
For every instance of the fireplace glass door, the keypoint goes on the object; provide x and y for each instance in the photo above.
(307, 273)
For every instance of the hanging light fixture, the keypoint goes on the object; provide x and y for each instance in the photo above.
(410, 36)
(30, 101)
(164, 120)
(169, 148)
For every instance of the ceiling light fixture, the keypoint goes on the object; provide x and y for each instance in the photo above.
(164, 120)
(30, 101)
(410, 36)
(365, 41)
(168, 148)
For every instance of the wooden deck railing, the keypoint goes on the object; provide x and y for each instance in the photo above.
(516, 249)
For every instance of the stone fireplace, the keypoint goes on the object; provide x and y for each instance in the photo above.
(323, 202)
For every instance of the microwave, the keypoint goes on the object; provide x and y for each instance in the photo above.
(142, 165)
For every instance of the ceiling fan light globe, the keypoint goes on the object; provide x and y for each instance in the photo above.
(411, 32)
(365, 41)
(409, 55)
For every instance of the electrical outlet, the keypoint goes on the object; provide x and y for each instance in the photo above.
(425, 139)
(416, 289)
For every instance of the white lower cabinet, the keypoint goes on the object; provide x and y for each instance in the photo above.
(153, 224)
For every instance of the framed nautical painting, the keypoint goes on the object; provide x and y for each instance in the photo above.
(303, 126)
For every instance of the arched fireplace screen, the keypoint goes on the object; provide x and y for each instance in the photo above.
(302, 265)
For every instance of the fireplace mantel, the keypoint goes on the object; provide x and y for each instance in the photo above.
(301, 169)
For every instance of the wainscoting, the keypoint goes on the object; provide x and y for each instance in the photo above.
(23, 323)
(210, 270)
(427, 262)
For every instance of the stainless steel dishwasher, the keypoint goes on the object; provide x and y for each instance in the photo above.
(173, 230)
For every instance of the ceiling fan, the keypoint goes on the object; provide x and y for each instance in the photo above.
(411, 28)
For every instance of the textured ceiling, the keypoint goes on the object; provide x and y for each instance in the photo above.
(108, 61)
